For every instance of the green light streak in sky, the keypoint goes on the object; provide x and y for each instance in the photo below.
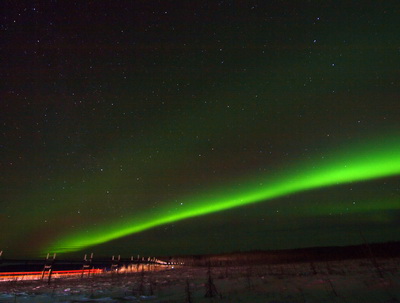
(358, 164)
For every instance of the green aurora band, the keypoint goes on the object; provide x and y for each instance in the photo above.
(355, 165)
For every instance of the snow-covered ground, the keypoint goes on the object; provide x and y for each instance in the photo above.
(355, 281)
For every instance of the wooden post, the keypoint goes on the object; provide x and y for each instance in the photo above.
(44, 267)
(87, 264)
(48, 267)
(49, 277)
(131, 265)
(115, 263)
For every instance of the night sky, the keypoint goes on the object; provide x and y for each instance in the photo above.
(168, 127)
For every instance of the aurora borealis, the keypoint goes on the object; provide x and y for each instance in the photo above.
(158, 128)
(364, 166)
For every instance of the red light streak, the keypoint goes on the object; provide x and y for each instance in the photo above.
(35, 275)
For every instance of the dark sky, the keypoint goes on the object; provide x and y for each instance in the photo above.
(168, 127)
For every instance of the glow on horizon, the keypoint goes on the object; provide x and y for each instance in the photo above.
(355, 165)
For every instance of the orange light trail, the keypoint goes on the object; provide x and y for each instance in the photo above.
(36, 275)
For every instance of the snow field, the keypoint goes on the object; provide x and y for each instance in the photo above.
(348, 281)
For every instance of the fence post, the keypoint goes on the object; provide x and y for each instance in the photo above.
(87, 264)
(48, 267)
(115, 263)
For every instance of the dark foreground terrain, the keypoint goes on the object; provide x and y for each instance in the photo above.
(357, 280)
(362, 273)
